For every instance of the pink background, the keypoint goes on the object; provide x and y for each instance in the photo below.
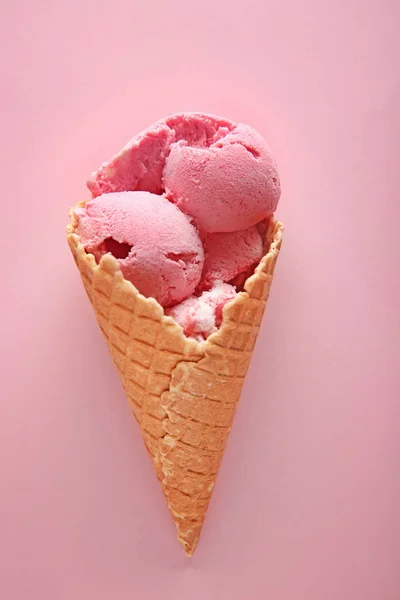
(307, 502)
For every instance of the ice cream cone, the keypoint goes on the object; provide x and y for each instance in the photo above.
(183, 393)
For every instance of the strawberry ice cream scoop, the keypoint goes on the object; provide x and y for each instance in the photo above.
(229, 185)
(201, 316)
(227, 255)
(158, 249)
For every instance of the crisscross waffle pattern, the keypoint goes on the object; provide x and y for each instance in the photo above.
(183, 393)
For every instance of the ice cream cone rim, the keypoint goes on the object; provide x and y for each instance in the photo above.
(273, 236)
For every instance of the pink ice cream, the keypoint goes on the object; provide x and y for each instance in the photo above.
(140, 164)
(199, 316)
(158, 249)
(227, 255)
(230, 185)
(187, 182)
(218, 172)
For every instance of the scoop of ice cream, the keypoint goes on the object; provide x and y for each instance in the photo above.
(158, 249)
(228, 255)
(201, 316)
(229, 185)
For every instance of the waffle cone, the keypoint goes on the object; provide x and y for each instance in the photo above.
(183, 393)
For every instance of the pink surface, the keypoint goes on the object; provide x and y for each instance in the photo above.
(158, 249)
(306, 503)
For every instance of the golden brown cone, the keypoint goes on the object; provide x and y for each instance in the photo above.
(183, 393)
